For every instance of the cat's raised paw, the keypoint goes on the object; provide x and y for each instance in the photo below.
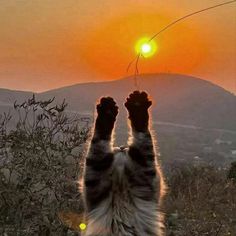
(137, 105)
(138, 101)
(107, 108)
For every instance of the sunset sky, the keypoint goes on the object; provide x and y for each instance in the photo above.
(47, 44)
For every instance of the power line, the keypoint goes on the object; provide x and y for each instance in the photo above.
(187, 16)
(136, 60)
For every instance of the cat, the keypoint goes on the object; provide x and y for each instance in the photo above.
(123, 187)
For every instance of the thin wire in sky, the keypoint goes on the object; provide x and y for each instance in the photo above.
(136, 60)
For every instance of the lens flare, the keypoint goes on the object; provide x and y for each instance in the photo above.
(145, 47)
(83, 226)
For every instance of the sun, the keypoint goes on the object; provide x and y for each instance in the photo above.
(145, 47)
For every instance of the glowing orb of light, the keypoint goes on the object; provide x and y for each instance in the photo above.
(83, 226)
(145, 47)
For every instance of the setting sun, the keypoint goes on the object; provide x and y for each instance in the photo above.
(44, 45)
(118, 117)
(145, 47)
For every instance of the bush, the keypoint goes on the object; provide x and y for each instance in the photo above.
(40, 159)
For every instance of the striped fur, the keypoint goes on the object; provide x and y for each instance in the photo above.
(123, 187)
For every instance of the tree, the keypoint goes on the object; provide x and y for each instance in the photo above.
(40, 161)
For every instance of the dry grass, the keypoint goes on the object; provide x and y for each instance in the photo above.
(201, 201)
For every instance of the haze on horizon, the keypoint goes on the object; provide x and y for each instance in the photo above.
(49, 44)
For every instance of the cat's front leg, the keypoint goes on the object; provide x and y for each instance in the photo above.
(141, 149)
(107, 111)
(137, 105)
(100, 155)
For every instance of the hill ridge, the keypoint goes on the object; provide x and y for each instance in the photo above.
(177, 98)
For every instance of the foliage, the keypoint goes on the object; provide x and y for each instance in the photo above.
(201, 201)
(40, 159)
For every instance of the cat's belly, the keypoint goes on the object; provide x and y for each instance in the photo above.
(122, 213)
(116, 217)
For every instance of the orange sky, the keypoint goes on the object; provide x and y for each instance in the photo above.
(46, 44)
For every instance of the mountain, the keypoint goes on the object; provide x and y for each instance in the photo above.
(177, 99)
(8, 97)
(195, 120)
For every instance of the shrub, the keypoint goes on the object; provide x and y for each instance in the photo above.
(40, 159)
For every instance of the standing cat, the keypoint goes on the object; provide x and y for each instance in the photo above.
(123, 187)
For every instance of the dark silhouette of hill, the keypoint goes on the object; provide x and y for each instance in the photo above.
(177, 99)
(195, 120)
(8, 97)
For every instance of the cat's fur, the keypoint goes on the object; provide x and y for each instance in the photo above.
(123, 187)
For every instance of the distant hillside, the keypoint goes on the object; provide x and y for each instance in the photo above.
(177, 99)
(8, 97)
(195, 120)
